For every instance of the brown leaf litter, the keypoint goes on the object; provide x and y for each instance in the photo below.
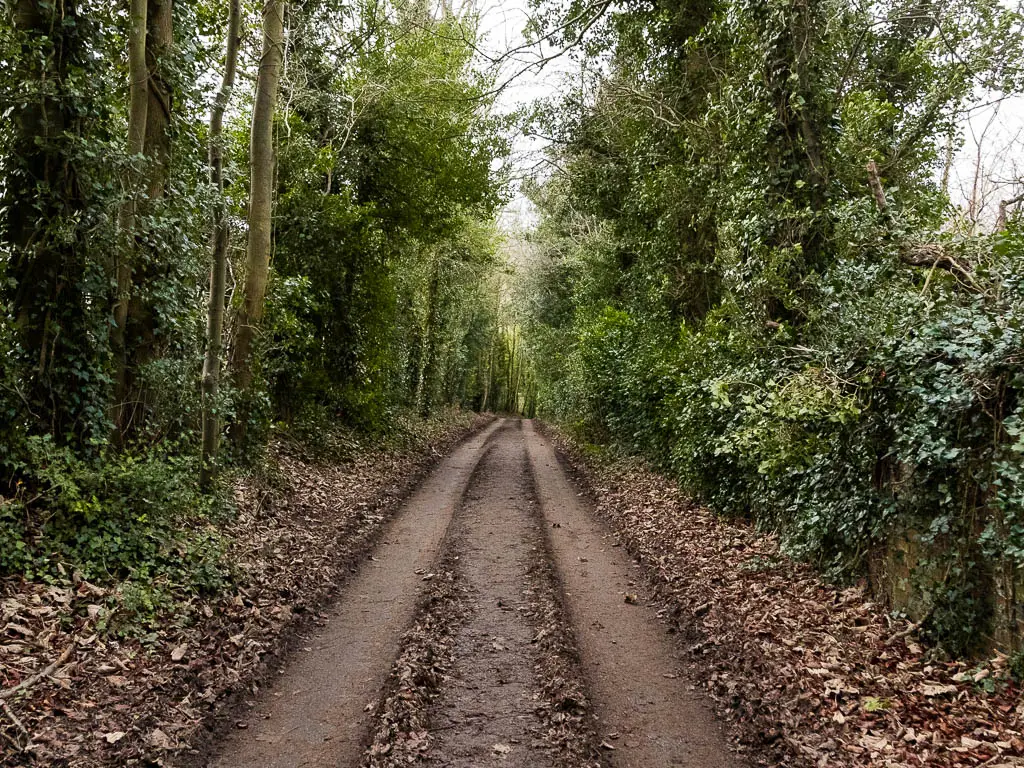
(401, 734)
(72, 696)
(808, 674)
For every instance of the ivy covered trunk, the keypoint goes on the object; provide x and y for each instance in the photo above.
(427, 389)
(144, 267)
(219, 266)
(52, 284)
(127, 252)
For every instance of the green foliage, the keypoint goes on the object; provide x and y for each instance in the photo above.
(380, 300)
(722, 294)
(136, 521)
(383, 233)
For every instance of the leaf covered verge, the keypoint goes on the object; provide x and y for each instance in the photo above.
(807, 673)
(153, 695)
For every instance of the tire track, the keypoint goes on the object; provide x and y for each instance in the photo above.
(489, 673)
(526, 635)
(649, 713)
(315, 713)
(486, 714)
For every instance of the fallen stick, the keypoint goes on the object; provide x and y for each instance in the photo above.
(19, 725)
(903, 633)
(28, 682)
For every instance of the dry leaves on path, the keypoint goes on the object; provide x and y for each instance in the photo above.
(401, 732)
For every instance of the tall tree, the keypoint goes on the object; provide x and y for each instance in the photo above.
(261, 193)
(221, 233)
(151, 39)
(44, 215)
(138, 108)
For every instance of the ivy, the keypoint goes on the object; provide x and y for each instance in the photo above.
(722, 293)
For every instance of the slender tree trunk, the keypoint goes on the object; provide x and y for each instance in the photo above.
(510, 396)
(489, 375)
(138, 108)
(430, 343)
(221, 235)
(151, 102)
(261, 149)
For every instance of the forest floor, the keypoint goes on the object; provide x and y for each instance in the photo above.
(525, 604)
(73, 695)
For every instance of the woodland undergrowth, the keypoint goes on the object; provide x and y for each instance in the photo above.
(117, 671)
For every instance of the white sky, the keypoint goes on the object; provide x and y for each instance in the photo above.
(989, 164)
(502, 25)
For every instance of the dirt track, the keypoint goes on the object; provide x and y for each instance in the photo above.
(499, 507)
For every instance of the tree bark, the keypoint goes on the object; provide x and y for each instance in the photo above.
(219, 267)
(429, 376)
(261, 150)
(151, 100)
(138, 108)
(487, 380)
(160, 93)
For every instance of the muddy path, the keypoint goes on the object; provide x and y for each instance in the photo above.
(489, 711)
(531, 645)
(317, 712)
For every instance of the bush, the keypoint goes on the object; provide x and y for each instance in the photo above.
(131, 519)
(897, 411)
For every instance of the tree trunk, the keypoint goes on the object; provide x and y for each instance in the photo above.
(487, 379)
(261, 150)
(160, 93)
(138, 107)
(430, 343)
(219, 267)
(151, 99)
(511, 394)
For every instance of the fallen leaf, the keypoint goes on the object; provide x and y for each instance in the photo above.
(936, 689)
(160, 740)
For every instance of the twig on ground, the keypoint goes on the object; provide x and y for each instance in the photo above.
(28, 682)
(19, 725)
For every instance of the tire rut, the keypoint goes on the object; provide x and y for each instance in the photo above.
(316, 712)
(489, 674)
(496, 625)
(649, 712)
(487, 712)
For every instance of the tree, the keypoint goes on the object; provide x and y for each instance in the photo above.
(747, 278)
(138, 109)
(221, 235)
(151, 39)
(261, 196)
(53, 284)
